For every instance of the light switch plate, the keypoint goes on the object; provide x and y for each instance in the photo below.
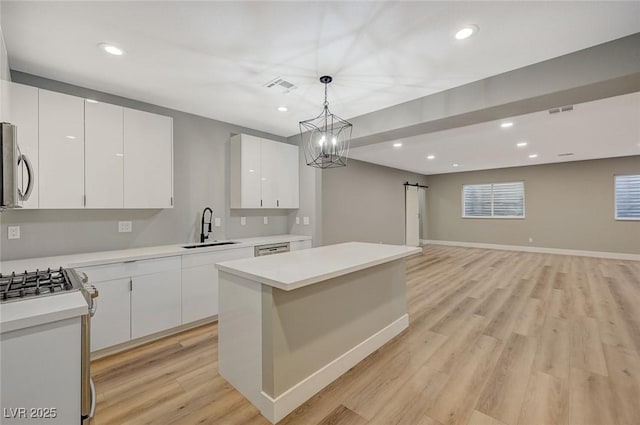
(13, 232)
(243, 221)
(265, 220)
(305, 220)
(217, 222)
(125, 226)
(297, 220)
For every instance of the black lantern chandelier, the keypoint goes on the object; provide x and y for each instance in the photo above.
(326, 137)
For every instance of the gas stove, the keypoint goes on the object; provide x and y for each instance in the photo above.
(27, 285)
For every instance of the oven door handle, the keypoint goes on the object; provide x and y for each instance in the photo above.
(93, 308)
(92, 411)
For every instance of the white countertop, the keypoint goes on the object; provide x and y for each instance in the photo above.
(118, 256)
(296, 269)
(16, 315)
(35, 311)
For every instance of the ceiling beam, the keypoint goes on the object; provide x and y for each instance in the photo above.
(605, 70)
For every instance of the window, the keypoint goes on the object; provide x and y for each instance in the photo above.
(628, 197)
(498, 200)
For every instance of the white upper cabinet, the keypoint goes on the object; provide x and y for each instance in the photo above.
(245, 171)
(61, 165)
(22, 111)
(288, 172)
(264, 173)
(270, 161)
(90, 154)
(148, 160)
(104, 153)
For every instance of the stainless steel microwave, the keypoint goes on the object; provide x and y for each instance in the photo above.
(16, 172)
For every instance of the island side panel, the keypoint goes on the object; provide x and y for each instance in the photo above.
(240, 335)
(313, 326)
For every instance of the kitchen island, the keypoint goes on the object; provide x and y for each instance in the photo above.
(290, 324)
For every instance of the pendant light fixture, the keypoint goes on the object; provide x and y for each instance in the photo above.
(326, 137)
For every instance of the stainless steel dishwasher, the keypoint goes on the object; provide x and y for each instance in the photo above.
(274, 248)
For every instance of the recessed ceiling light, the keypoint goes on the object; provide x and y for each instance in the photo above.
(533, 155)
(71, 137)
(506, 124)
(283, 108)
(92, 101)
(456, 165)
(466, 32)
(111, 49)
(397, 145)
(431, 156)
(522, 144)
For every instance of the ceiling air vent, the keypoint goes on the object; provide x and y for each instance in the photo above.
(282, 84)
(562, 109)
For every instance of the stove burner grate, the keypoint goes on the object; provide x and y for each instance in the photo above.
(31, 284)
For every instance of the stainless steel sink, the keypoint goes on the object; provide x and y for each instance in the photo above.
(204, 245)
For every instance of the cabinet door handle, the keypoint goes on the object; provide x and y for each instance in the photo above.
(278, 203)
(130, 285)
(260, 202)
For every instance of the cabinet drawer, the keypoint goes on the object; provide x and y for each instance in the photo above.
(206, 258)
(131, 268)
(297, 245)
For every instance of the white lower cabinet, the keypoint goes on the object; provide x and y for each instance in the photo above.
(141, 298)
(112, 323)
(200, 282)
(136, 299)
(199, 292)
(40, 370)
(297, 245)
(155, 303)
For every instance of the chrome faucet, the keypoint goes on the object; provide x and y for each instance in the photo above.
(203, 237)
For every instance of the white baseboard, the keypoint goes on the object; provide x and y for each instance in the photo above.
(576, 252)
(287, 402)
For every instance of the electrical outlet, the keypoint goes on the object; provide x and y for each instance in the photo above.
(13, 232)
(305, 220)
(265, 220)
(243, 221)
(530, 240)
(217, 222)
(297, 220)
(125, 226)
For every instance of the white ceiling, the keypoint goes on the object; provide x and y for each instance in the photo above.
(213, 58)
(602, 128)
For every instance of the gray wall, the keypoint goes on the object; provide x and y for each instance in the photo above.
(4, 60)
(310, 199)
(201, 157)
(364, 202)
(300, 334)
(567, 206)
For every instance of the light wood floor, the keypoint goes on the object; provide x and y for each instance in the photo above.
(496, 337)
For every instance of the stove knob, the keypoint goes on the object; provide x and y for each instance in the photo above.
(92, 290)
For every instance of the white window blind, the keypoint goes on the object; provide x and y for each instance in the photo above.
(502, 200)
(628, 197)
